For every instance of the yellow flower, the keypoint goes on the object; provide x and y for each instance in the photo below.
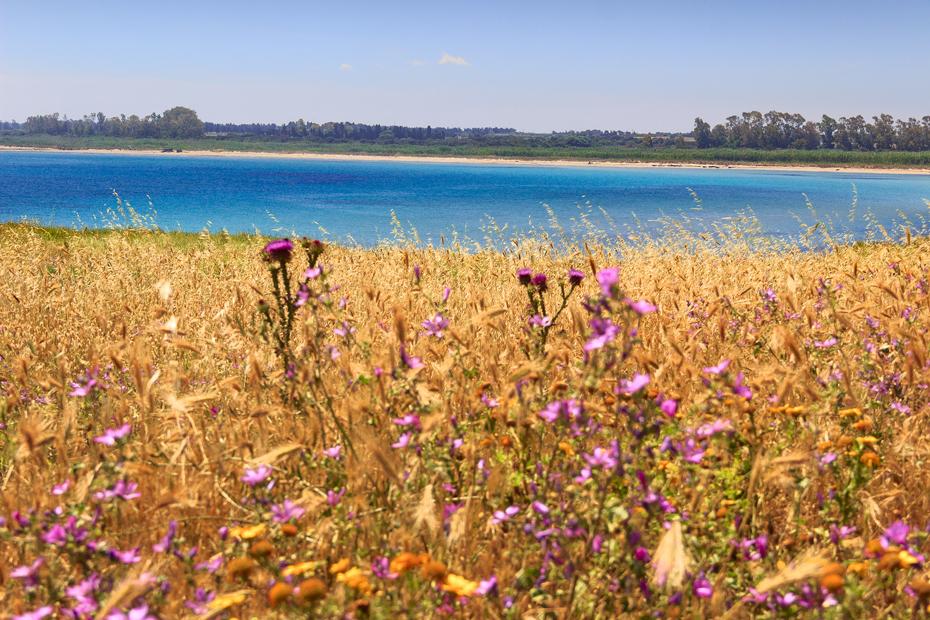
(248, 532)
(301, 568)
(458, 585)
(354, 578)
(230, 599)
(868, 440)
(340, 567)
(905, 559)
(852, 412)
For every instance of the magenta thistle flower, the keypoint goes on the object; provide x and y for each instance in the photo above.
(524, 276)
(257, 475)
(112, 435)
(539, 281)
(279, 250)
(634, 385)
(575, 277)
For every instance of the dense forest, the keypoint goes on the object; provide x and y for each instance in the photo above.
(749, 130)
(780, 130)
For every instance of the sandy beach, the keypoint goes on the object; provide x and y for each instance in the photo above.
(490, 160)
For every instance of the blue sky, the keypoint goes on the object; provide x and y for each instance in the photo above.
(531, 65)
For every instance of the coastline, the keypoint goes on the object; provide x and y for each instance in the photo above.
(559, 163)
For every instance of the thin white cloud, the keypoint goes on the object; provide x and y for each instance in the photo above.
(449, 59)
(345, 67)
(417, 63)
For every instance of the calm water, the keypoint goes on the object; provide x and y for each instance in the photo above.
(356, 198)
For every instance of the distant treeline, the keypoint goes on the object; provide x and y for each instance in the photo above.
(750, 130)
(780, 130)
(181, 122)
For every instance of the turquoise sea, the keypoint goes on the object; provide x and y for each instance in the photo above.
(355, 199)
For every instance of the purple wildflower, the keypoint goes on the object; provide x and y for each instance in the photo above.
(287, 511)
(502, 516)
(634, 385)
(410, 361)
(29, 575)
(575, 277)
(608, 279)
(256, 476)
(279, 250)
(640, 307)
(112, 435)
(436, 325)
(524, 276)
(718, 369)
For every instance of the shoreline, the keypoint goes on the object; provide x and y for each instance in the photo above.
(504, 161)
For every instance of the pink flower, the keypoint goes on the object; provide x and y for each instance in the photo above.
(38, 614)
(718, 369)
(334, 453)
(402, 442)
(634, 385)
(669, 407)
(61, 489)
(640, 307)
(256, 476)
(608, 279)
(112, 435)
(410, 361)
(288, 511)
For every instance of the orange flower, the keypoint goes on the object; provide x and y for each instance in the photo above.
(434, 571)
(405, 561)
(870, 459)
(311, 590)
(261, 549)
(279, 593)
(240, 568)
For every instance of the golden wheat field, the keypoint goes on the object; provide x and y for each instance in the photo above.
(223, 427)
